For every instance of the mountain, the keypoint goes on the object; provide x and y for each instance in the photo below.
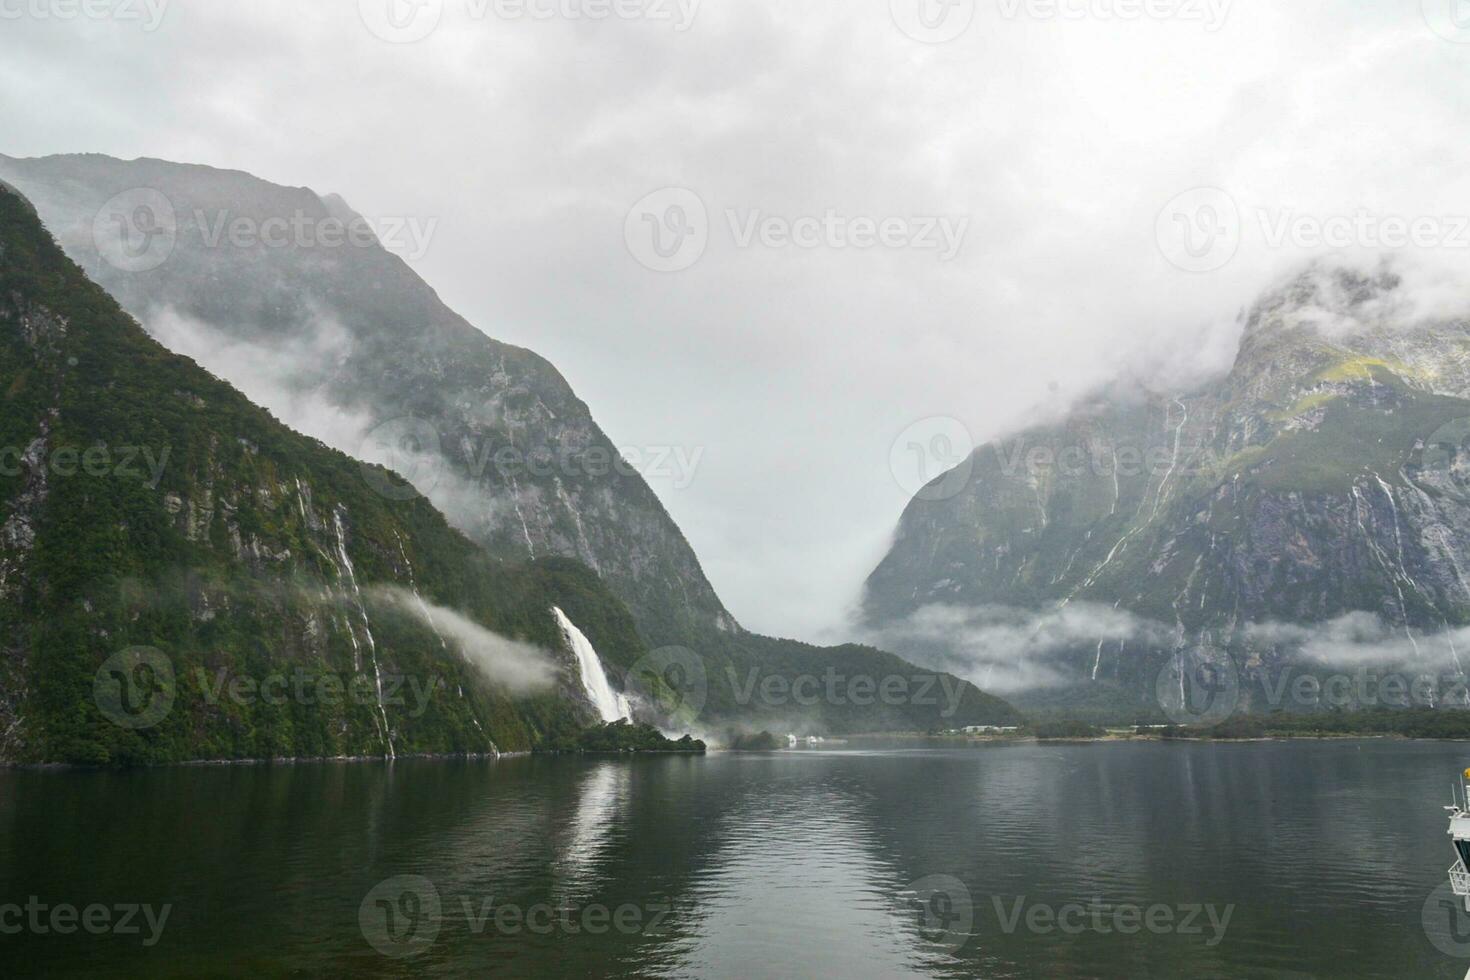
(293, 297)
(183, 577)
(1323, 476)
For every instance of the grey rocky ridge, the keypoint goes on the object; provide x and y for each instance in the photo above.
(343, 340)
(1312, 503)
(184, 578)
(290, 296)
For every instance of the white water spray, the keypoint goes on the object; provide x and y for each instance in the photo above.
(609, 703)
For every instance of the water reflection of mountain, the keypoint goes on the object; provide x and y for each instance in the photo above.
(781, 864)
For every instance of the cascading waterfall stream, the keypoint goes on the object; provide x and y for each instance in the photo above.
(610, 705)
(356, 594)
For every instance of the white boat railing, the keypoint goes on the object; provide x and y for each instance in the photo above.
(1459, 879)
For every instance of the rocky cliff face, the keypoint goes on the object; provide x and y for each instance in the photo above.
(346, 343)
(183, 577)
(1325, 475)
(291, 296)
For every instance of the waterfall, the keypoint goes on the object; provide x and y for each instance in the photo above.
(609, 703)
(356, 594)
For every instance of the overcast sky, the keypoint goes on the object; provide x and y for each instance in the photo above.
(1048, 143)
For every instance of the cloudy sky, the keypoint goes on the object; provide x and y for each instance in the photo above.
(796, 238)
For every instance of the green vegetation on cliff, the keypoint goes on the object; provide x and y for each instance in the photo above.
(150, 512)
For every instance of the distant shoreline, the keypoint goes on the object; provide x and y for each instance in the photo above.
(283, 761)
(1114, 738)
(1133, 737)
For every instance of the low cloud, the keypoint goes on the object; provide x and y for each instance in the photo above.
(1006, 649)
(520, 667)
(289, 376)
(284, 375)
(1360, 639)
(1358, 292)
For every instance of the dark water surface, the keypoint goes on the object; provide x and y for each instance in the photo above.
(1268, 859)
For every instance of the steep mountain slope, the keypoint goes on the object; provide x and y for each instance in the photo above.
(183, 577)
(244, 273)
(1325, 475)
(345, 341)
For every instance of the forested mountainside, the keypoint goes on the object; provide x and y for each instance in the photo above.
(166, 546)
(490, 432)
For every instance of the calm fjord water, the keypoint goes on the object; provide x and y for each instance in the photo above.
(1273, 859)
